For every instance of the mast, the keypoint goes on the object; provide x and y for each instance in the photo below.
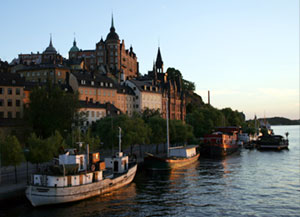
(168, 139)
(120, 132)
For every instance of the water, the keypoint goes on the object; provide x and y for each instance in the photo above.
(250, 183)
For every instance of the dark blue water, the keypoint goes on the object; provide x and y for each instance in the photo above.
(250, 183)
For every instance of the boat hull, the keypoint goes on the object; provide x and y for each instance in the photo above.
(159, 163)
(39, 195)
(218, 151)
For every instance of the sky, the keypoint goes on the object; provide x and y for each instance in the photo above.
(245, 52)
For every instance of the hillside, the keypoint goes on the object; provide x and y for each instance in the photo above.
(281, 121)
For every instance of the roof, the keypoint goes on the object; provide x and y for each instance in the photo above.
(112, 35)
(43, 66)
(159, 63)
(93, 80)
(124, 89)
(10, 79)
(50, 49)
(113, 110)
(149, 86)
(74, 48)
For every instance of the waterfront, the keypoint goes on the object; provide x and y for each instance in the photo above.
(249, 183)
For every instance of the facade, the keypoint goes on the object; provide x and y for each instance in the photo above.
(125, 99)
(90, 112)
(93, 88)
(56, 73)
(147, 95)
(11, 96)
(109, 57)
(171, 89)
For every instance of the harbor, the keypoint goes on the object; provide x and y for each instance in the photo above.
(243, 183)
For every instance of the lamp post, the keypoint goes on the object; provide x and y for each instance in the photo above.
(26, 153)
(62, 164)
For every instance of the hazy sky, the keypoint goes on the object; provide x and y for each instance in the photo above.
(246, 52)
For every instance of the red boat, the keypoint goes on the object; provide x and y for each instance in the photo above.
(221, 143)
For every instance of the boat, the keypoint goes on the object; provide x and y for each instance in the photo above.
(174, 158)
(221, 143)
(80, 176)
(272, 142)
(178, 157)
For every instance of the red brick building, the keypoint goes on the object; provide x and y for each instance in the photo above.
(109, 57)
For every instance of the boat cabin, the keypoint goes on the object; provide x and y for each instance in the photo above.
(181, 151)
(118, 163)
(71, 157)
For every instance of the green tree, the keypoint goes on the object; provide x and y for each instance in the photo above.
(158, 128)
(43, 150)
(180, 133)
(50, 109)
(11, 153)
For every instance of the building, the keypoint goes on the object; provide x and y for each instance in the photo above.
(90, 112)
(11, 96)
(171, 90)
(56, 73)
(147, 95)
(93, 88)
(125, 99)
(109, 57)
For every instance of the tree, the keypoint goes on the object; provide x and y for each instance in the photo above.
(43, 150)
(158, 130)
(51, 109)
(11, 153)
(180, 133)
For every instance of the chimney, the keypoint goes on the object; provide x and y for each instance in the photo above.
(208, 99)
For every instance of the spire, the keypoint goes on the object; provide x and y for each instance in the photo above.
(112, 28)
(159, 62)
(50, 44)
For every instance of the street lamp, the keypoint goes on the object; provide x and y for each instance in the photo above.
(62, 164)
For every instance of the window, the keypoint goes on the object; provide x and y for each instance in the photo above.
(1, 114)
(101, 84)
(86, 92)
(9, 102)
(38, 73)
(45, 73)
(18, 91)
(111, 54)
(99, 92)
(87, 114)
(103, 93)
(59, 73)
(110, 84)
(1, 90)
(9, 91)
(18, 103)
(97, 114)
(81, 91)
(93, 114)
(9, 114)
(116, 53)
(1, 102)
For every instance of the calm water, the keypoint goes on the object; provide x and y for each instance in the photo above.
(250, 183)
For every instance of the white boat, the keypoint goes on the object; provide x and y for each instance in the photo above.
(102, 177)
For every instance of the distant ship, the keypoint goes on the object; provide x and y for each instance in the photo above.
(272, 142)
(80, 176)
(221, 143)
(175, 156)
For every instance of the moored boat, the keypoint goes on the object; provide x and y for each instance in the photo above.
(178, 157)
(272, 142)
(175, 156)
(77, 177)
(221, 143)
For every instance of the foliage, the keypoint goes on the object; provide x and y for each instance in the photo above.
(158, 130)
(51, 109)
(233, 118)
(180, 133)
(43, 150)
(149, 113)
(11, 153)
(134, 130)
(205, 119)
